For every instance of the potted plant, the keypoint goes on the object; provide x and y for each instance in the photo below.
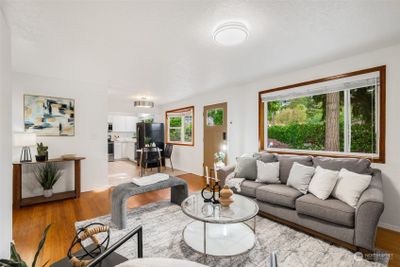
(147, 141)
(16, 259)
(47, 175)
(42, 153)
(219, 158)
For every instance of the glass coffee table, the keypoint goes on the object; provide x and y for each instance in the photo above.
(217, 230)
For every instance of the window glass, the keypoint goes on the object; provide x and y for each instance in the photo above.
(337, 117)
(215, 117)
(180, 126)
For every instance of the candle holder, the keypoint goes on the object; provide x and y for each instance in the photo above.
(211, 193)
(207, 193)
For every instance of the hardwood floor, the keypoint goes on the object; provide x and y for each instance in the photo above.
(29, 222)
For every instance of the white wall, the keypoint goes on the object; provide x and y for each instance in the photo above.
(5, 139)
(90, 138)
(243, 118)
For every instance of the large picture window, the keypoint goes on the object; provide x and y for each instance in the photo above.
(342, 115)
(180, 126)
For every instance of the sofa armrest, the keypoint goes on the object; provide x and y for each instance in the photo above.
(224, 172)
(368, 211)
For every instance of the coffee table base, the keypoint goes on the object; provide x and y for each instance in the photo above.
(221, 239)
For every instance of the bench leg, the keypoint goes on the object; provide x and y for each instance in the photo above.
(118, 212)
(179, 193)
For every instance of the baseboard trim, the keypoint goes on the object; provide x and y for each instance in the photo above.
(390, 227)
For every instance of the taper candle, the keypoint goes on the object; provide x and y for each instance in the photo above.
(215, 173)
(207, 178)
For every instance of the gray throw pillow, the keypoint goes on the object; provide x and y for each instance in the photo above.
(265, 157)
(286, 162)
(246, 167)
(300, 177)
(362, 166)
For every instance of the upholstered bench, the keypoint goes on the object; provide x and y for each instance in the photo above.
(121, 193)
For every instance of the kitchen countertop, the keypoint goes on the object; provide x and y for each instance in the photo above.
(125, 141)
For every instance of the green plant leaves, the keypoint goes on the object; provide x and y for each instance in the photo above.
(40, 246)
(16, 260)
(47, 175)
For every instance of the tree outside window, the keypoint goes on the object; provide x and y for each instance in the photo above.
(331, 117)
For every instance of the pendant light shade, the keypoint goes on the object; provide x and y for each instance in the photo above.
(143, 104)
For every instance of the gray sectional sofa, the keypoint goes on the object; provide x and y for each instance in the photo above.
(330, 219)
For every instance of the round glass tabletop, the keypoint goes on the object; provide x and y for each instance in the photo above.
(242, 209)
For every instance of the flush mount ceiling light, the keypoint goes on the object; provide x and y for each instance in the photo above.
(231, 33)
(143, 103)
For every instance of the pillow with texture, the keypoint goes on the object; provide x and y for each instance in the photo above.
(350, 186)
(286, 162)
(300, 177)
(268, 172)
(246, 167)
(323, 182)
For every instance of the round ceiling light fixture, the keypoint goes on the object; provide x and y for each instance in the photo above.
(143, 103)
(231, 33)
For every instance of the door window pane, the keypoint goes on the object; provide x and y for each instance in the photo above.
(215, 117)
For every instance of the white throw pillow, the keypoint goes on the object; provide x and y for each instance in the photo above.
(350, 186)
(267, 172)
(300, 177)
(323, 182)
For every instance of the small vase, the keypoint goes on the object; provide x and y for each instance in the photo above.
(220, 164)
(48, 192)
(226, 196)
(41, 158)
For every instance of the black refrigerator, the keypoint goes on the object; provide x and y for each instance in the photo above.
(154, 131)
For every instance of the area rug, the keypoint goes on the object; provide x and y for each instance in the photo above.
(164, 222)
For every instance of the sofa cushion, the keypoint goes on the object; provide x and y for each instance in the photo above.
(331, 210)
(265, 157)
(246, 167)
(286, 162)
(278, 194)
(300, 177)
(323, 182)
(268, 172)
(362, 166)
(350, 186)
(248, 188)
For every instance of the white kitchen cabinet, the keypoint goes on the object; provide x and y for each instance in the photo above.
(130, 124)
(131, 151)
(118, 123)
(125, 150)
(117, 150)
(124, 123)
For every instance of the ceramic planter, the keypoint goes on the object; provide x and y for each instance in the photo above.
(40, 158)
(48, 192)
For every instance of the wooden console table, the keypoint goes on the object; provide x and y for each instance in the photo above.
(18, 201)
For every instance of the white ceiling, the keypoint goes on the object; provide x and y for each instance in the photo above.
(165, 50)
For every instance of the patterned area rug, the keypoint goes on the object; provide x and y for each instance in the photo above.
(164, 222)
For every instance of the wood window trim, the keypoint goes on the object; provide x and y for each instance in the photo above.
(184, 109)
(381, 158)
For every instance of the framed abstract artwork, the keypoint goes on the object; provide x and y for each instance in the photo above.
(49, 116)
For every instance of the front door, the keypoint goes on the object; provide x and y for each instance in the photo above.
(215, 132)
